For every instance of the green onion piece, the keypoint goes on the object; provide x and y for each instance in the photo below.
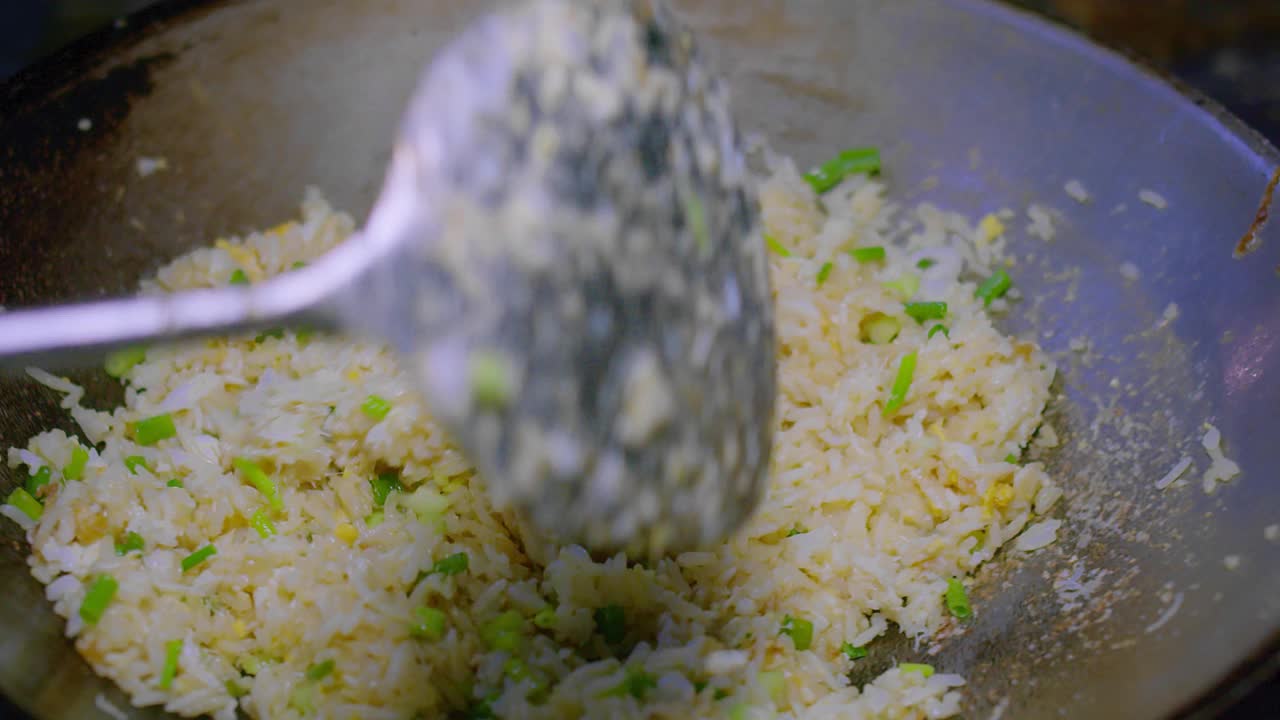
(452, 565)
(374, 519)
(957, 599)
(741, 711)
(824, 272)
(505, 632)
(775, 683)
(926, 263)
(854, 160)
(131, 542)
(24, 501)
(38, 479)
(97, 598)
(635, 683)
(249, 664)
(611, 623)
(133, 462)
(720, 694)
(258, 478)
(699, 686)
(921, 311)
(854, 652)
(428, 623)
(198, 557)
(273, 333)
(696, 215)
(925, 670)
(777, 247)
(994, 287)
(122, 361)
(239, 278)
(298, 265)
(938, 329)
(154, 429)
(901, 383)
(383, 485)
(304, 334)
(490, 379)
(321, 670)
(172, 651)
(515, 669)
(800, 630)
(1011, 459)
(545, 618)
(867, 254)
(235, 690)
(879, 329)
(797, 529)
(262, 524)
(980, 536)
(303, 700)
(906, 286)
(174, 483)
(376, 407)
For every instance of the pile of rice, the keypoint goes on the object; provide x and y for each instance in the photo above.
(866, 519)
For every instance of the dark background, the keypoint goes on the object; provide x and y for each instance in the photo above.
(1228, 49)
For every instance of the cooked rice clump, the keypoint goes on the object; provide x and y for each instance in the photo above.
(867, 517)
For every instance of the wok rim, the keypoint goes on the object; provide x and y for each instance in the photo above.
(39, 83)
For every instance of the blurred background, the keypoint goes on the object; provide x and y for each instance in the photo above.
(1227, 49)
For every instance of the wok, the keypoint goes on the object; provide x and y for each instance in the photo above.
(1132, 614)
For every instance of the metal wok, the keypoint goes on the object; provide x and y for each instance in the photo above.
(1132, 614)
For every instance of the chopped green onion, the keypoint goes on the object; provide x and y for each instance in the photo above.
(848, 162)
(376, 407)
(133, 462)
(697, 218)
(427, 504)
(545, 618)
(235, 690)
(262, 524)
(926, 263)
(24, 501)
(304, 334)
(921, 311)
(824, 272)
(428, 623)
(198, 557)
(298, 265)
(174, 483)
(131, 542)
(879, 329)
(740, 712)
(957, 599)
(97, 598)
(249, 664)
(505, 632)
(636, 683)
(172, 651)
(303, 700)
(775, 683)
(797, 529)
(611, 623)
(383, 484)
(1011, 459)
(38, 479)
(154, 429)
(321, 670)
(994, 287)
(239, 278)
(490, 379)
(901, 383)
(276, 333)
(699, 686)
(800, 630)
(452, 565)
(777, 247)
(925, 670)
(720, 694)
(854, 652)
(938, 329)
(867, 254)
(122, 361)
(258, 478)
(374, 519)
(906, 286)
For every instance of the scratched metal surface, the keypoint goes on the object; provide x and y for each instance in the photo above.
(976, 107)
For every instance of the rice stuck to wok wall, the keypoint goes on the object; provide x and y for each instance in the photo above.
(334, 605)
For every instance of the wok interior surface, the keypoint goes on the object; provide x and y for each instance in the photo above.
(1132, 613)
